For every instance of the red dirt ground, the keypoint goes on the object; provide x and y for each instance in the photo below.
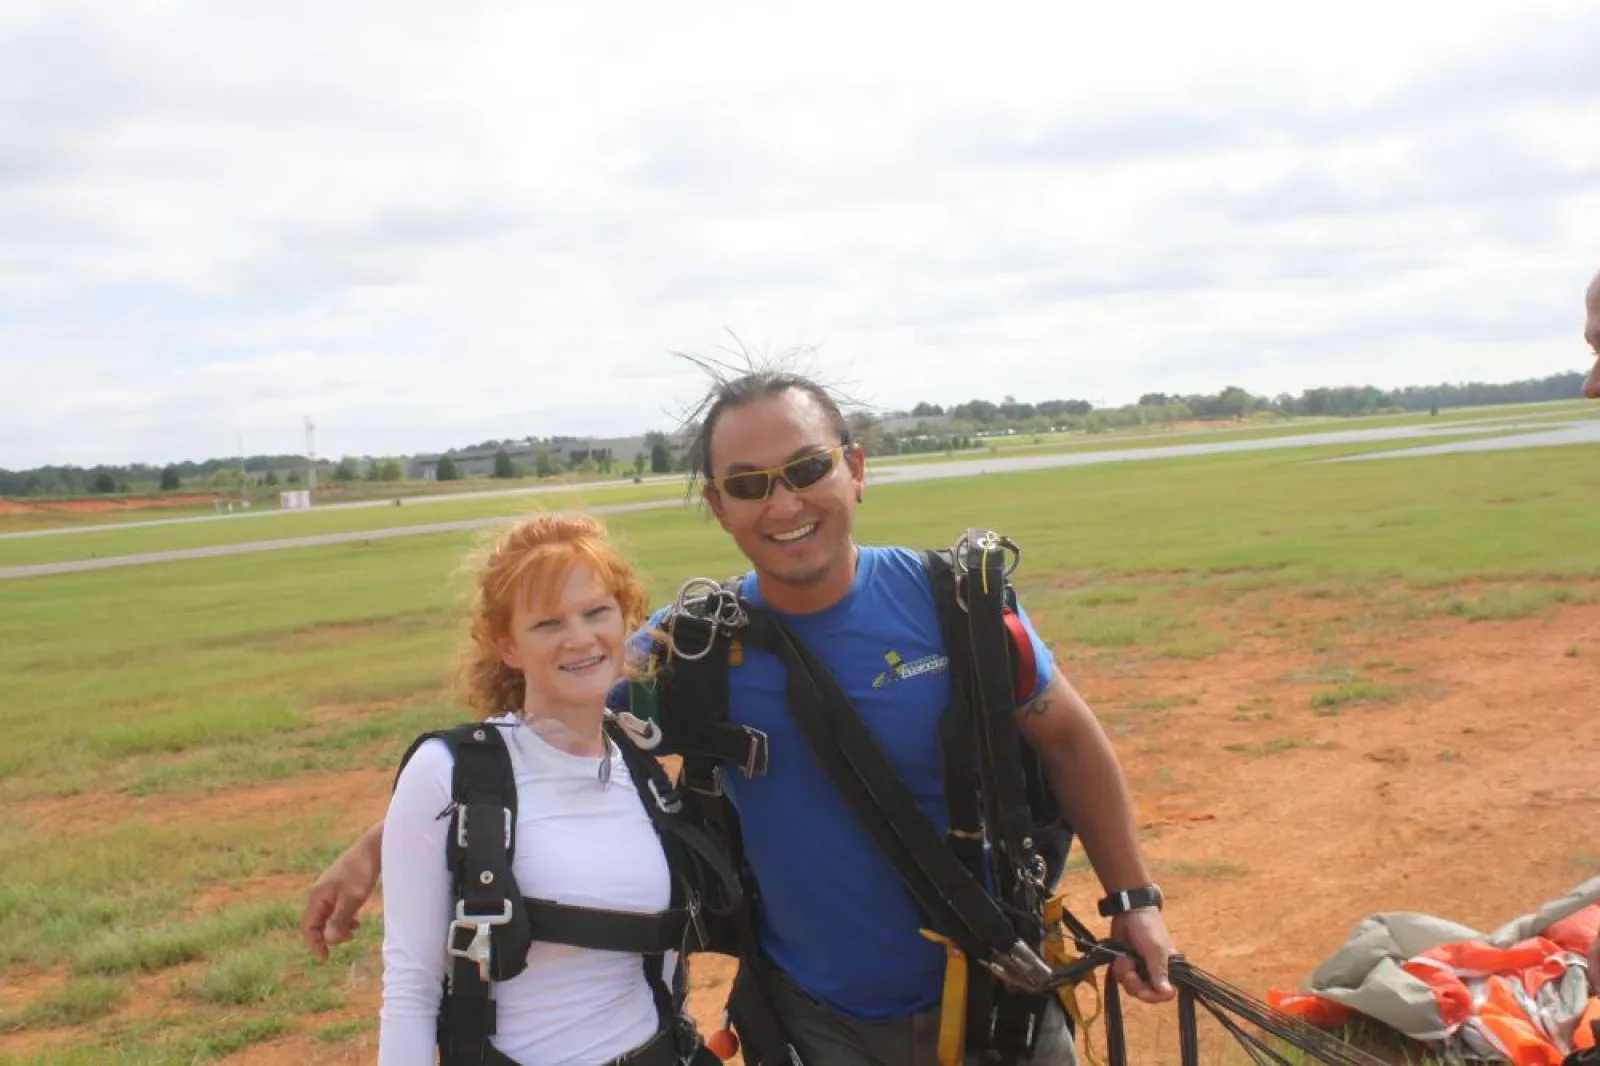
(11, 505)
(1470, 794)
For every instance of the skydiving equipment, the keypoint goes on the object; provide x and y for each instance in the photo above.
(494, 924)
(1006, 828)
(983, 888)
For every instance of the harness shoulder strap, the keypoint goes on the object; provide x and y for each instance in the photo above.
(490, 931)
(955, 902)
(957, 733)
(980, 664)
(692, 693)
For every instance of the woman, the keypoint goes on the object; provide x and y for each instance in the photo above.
(552, 610)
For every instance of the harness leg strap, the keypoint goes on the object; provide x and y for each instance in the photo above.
(953, 1005)
(761, 1035)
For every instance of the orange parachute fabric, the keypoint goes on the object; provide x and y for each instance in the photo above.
(1519, 995)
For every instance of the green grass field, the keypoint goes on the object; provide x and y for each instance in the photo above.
(152, 710)
(111, 540)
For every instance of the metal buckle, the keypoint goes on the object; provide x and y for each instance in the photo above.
(645, 733)
(716, 783)
(755, 762)
(671, 803)
(989, 542)
(676, 649)
(1022, 968)
(461, 827)
(1034, 873)
(702, 937)
(478, 948)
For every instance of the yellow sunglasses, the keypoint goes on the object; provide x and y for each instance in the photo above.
(799, 474)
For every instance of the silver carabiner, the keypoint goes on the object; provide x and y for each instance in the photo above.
(990, 542)
(717, 606)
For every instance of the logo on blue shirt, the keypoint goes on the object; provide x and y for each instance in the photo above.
(900, 670)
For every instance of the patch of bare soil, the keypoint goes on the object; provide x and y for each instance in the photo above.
(357, 797)
(147, 998)
(11, 505)
(1465, 788)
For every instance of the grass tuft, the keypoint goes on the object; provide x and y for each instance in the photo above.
(1332, 701)
(164, 946)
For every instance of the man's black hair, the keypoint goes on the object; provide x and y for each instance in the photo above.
(734, 387)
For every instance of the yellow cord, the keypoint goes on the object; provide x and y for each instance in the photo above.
(953, 1008)
(1058, 954)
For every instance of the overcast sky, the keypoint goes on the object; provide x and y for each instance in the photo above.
(428, 224)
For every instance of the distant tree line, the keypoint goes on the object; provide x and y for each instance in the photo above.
(962, 426)
(1235, 402)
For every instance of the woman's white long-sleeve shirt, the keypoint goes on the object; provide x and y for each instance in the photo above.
(579, 842)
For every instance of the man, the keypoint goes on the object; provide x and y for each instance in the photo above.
(784, 481)
(1591, 333)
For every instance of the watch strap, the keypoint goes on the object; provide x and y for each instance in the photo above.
(1131, 899)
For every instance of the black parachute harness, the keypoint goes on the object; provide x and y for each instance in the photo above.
(493, 925)
(1013, 950)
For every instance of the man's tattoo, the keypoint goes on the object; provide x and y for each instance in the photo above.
(1038, 707)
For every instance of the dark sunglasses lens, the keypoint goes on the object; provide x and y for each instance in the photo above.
(803, 473)
(752, 486)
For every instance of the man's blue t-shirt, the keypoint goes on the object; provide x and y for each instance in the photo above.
(835, 917)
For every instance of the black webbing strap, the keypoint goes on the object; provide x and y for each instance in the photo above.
(660, 1050)
(607, 930)
(991, 1024)
(655, 793)
(693, 702)
(999, 741)
(762, 1040)
(999, 745)
(489, 936)
(695, 865)
(708, 877)
(954, 902)
(1019, 871)
(957, 737)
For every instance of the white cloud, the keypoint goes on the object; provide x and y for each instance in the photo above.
(427, 225)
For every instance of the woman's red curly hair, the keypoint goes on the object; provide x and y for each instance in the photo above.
(528, 563)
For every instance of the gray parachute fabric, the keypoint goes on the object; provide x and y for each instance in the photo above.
(1485, 997)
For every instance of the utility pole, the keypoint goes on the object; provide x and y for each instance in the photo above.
(311, 456)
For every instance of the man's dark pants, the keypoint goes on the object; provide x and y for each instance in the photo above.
(824, 1038)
